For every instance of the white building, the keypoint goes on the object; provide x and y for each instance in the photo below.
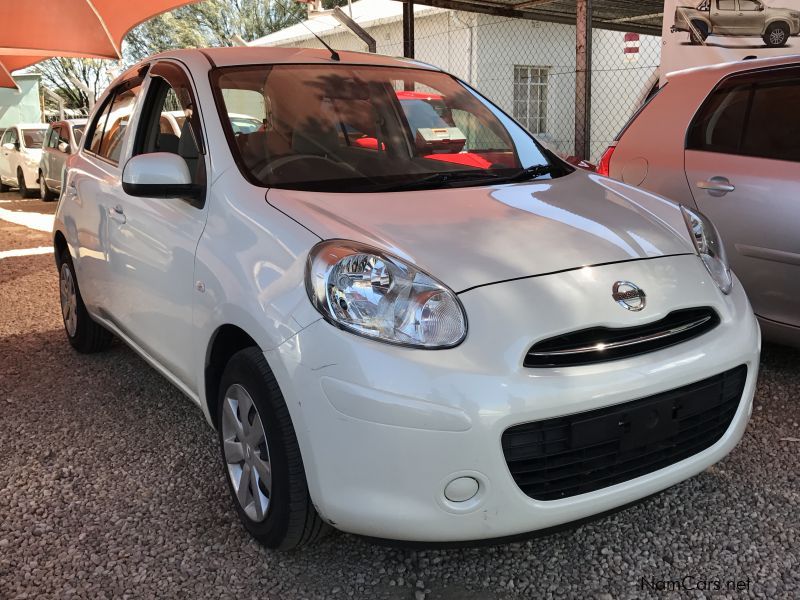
(526, 67)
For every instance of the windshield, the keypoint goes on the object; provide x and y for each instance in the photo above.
(348, 128)
(33, 138)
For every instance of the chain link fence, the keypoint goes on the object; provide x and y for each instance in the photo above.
(526, 67)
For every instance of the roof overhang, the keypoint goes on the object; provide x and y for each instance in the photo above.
(637, 16)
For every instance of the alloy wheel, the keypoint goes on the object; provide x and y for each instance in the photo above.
(246, 453)
(777, 37)
(69, 299)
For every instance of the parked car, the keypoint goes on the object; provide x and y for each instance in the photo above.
(729, 145)
(61, 141)
(20, 152)
(741, 18)
(387, 343)
(173, 120)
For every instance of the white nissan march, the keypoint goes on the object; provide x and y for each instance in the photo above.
(405, 318)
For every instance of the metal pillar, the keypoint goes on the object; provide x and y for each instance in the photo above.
(583, 77)
(408, 29)
(345, 20)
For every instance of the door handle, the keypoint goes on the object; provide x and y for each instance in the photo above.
(716, 186)
(117, 214)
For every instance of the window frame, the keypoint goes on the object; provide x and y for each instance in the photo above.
(543, 71)
(134, 80)
(752, 80)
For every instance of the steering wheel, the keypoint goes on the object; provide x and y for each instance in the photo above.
(270, 168)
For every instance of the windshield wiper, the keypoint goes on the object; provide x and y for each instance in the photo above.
(527, 174)
(439, 179)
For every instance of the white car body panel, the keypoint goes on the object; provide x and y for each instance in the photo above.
(383, 428)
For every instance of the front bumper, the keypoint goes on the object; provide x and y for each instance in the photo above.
(384, 429)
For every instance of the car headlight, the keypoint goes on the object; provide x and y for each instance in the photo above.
(374, 294)
(709, 247)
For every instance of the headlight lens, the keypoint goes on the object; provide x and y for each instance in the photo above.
(371, 293)
(709, 247)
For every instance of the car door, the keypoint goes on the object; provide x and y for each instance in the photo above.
(751, 17)
(726, 19)
(153, 241)
(12, 154)
(5, 150)
(59, 156)
(50, 140)
(93, 192)
(743, 166)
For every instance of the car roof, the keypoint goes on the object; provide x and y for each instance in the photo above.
(718, 71)
(228, 57)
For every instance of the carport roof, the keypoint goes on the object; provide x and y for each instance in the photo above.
(639, 16)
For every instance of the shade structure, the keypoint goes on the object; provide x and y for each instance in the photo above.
(34, 30)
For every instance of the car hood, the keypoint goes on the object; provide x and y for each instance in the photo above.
(790, 13)
(472, 236)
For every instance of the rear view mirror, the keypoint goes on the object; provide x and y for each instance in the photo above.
(159, 175)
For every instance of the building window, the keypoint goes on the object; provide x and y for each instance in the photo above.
(530, 97)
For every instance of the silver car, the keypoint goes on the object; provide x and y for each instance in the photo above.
(61, 140)
(728, 144)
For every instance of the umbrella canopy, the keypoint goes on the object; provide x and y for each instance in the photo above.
(34, 30)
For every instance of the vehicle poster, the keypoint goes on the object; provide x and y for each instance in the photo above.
(704, 32)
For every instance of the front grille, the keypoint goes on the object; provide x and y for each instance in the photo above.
(575, 454)
(602, 344)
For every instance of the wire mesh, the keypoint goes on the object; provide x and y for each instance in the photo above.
(526, 67)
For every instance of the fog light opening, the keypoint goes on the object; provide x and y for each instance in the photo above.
(461, 489)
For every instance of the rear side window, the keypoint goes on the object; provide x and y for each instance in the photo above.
(97, 129)
(751, 115)
(718, 127)
(108, 131)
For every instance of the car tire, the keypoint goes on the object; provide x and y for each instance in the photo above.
(776, 35)
(701, 34)
(84, 333)
(277, 509)
(45, 193)
(24, 191)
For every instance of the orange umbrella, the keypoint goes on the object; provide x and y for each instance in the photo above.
(34, 30)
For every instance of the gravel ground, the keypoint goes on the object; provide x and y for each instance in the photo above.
(111, 486)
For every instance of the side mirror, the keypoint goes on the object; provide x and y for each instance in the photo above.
(159, 175)
(16, 146)
(8, 146)
(64, 147)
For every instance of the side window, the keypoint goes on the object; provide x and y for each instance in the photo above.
(117, 123)
(52, 138)
(726, 4)
(97, 128)
(14, 139)
(718, 125)
(751, 115)
(773, 126)
(62, 138)
(749, 5)
(170, 121)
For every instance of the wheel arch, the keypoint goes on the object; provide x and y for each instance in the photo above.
(226, 341)
(59, 245)
(777, 21)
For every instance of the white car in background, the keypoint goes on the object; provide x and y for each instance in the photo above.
(436, 332)
(729, 145)
(20, 153)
